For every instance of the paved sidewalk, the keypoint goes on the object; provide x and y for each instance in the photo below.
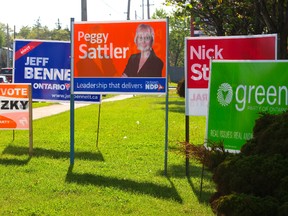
(42, 112)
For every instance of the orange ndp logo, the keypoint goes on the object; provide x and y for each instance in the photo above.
(103, 49)
(14, 106)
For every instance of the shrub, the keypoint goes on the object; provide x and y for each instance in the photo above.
(258, 175)
(269, 136)
(245, 205)
(211, 157)
(282, 191)
(181, 88)
(255, 182)
(283, 210)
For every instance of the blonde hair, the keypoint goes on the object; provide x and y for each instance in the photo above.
(144, 27)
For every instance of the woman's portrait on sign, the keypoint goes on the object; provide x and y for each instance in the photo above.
(145, 63)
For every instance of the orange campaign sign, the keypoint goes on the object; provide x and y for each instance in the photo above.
(14, 106)
(103, 49)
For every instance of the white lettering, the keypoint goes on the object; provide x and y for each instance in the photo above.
(199, 71)
(260, 95)
(36, 61)
(271, 92)
(94, 37)
(202, 53)
(47, 73)
(49, 86)
(13, 91)
(102, 52)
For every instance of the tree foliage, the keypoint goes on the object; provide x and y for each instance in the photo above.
(231, 17)
(5, 41)
(179, 28)
(2, 34)
(37, 31)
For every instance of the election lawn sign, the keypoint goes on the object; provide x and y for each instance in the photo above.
(100, 54)
(101, 51)
(200, 50)
(15, 107)
(46, 65)
(238, 92)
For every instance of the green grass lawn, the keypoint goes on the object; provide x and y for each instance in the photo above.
(123, 176)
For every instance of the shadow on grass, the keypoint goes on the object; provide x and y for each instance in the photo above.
(174, 106)
(13, 162)
(150, 189)
(40, 152)
(179, 171)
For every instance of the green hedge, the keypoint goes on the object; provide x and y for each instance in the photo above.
(255, 182)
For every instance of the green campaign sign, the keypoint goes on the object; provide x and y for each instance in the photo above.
(238, 92)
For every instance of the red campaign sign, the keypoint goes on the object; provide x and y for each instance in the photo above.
(200, 50)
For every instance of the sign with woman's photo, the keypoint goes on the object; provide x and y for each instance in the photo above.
(120, 57)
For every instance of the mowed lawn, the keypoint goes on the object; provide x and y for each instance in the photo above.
(122, 174)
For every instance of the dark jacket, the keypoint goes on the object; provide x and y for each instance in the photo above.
(151, 68)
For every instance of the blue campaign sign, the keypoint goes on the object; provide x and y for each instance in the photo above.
(120, 85)
(46, 65)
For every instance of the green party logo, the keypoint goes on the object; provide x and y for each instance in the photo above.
(258, 95)
(224, 94)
